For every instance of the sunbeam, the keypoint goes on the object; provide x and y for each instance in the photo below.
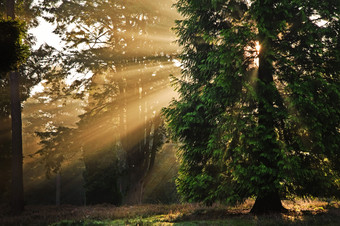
(116, 113)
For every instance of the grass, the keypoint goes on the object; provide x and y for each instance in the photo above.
(302, 212)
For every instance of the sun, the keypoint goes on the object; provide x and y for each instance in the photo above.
(257, 59)
(257, 47)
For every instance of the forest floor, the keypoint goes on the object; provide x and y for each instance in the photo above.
(301, 212)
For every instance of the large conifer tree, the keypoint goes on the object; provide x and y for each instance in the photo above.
(258, 123)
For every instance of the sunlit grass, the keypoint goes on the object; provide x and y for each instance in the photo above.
(177, 214)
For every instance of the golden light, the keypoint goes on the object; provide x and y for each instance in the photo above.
(257, 47)
(102, 130)
(144, 97)
(257, 59)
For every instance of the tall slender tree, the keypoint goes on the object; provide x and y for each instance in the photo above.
(14, 54)
(17, 174)
(252, 122)
(40, 64)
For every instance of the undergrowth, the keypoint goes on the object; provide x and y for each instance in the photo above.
(301, 212)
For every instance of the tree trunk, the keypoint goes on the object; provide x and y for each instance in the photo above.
(17, 159)
(17, 175)
(267, 203)
(156, 138)
(58, 189)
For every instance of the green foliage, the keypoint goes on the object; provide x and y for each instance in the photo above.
(249, 131)
(102, 171)
(13, 50)
(55, 149)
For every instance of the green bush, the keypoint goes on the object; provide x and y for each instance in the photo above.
(13, 51)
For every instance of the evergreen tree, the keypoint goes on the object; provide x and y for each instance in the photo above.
(258, 123)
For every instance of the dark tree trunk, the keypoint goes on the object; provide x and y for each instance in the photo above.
(156, 139)
(269, 200)
(17, 174)
(268, 203)
(58, 189)
(17, 201)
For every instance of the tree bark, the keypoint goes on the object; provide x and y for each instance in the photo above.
(268, 203)
(58, 189)
(17, 200)
(17, 159)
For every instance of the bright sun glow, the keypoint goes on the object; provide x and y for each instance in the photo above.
(44, 34)
(258, 48)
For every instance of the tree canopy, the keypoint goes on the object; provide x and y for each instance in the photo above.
(258, 123)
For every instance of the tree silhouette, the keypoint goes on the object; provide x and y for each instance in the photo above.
(15, 43)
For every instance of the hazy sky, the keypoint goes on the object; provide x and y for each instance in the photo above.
(44, 34)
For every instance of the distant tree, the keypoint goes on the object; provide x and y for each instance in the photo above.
(125, 142)
(55, 149)
(124, 45)
(266, 131)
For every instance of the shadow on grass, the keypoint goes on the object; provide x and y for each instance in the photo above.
(301, 213)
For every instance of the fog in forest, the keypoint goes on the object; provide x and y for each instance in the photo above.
(92, 125)
(208, 109)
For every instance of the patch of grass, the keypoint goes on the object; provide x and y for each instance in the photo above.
(302, 212)
(153, 221)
